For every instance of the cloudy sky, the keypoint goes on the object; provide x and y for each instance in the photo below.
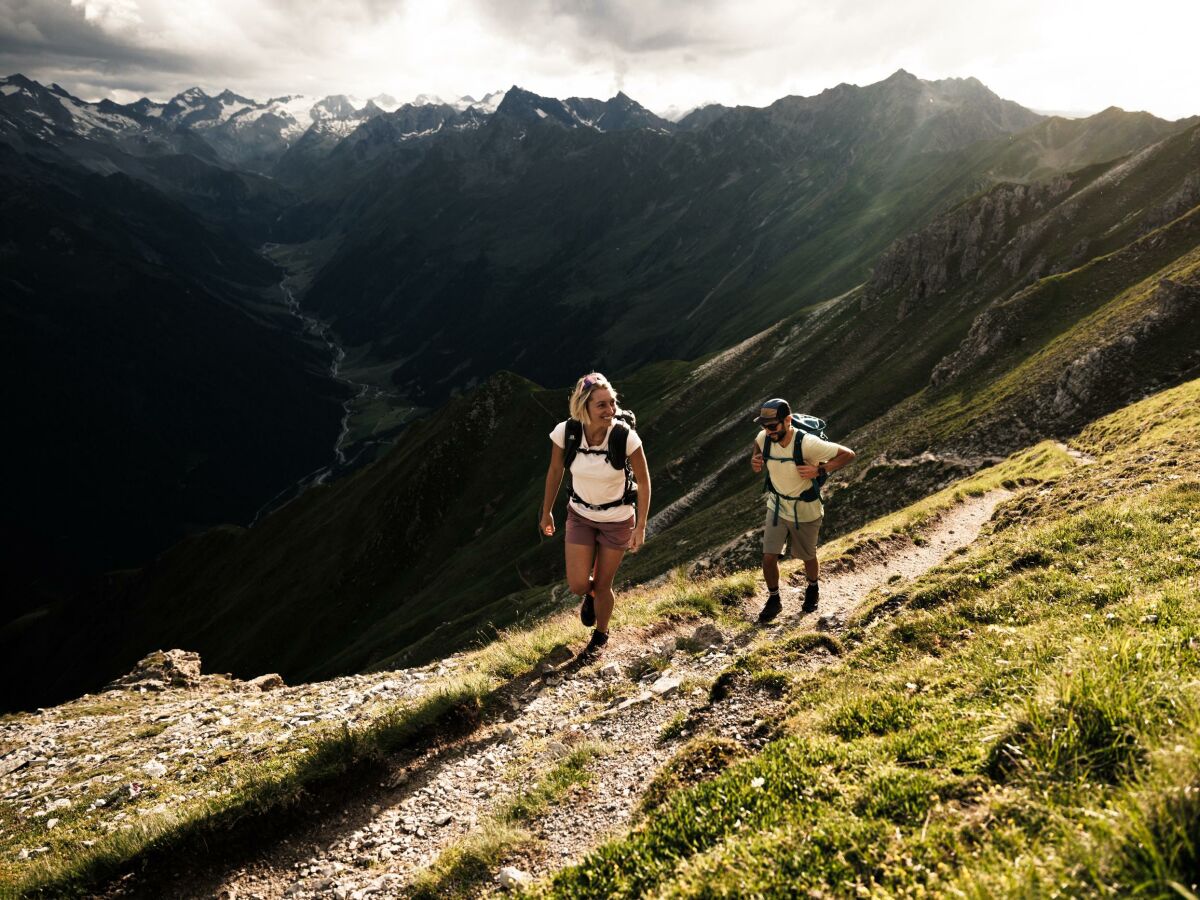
(1064, 55)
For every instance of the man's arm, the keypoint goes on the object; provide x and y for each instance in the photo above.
(756, 457)
(843, 457)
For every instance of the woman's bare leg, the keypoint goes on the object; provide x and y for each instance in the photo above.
(580, 559)
(607, 562)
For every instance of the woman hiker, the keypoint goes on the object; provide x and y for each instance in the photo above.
(601, 448)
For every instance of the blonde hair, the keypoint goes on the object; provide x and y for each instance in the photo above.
(581, 395)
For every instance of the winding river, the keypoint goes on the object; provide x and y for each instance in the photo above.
(341, 462)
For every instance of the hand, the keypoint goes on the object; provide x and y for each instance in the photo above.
(807, 471)
(546, 526)
(756, 462)
(639, 538)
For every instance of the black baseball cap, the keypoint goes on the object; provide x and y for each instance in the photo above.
(773, 410)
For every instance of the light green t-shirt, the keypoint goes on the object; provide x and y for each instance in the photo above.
(785, 479)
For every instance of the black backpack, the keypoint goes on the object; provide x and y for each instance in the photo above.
(616, 455)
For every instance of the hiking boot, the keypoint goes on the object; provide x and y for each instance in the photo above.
(587, 612)
(773, 608)
(596, 644)
(812, 594)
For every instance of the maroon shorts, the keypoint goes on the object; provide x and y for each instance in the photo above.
(614, 535)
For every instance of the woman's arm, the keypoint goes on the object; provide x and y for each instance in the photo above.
(641, 472)
(554, 476)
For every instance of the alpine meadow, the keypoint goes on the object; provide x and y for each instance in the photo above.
(279, 620)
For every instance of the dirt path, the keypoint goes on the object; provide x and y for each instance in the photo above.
(623, 701)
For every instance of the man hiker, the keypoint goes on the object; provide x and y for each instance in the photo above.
(796, 465)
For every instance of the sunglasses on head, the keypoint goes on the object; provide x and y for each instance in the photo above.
(594, 378)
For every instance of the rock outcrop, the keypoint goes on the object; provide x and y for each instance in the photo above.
(1108, 369)
(180, 670)
(954, 249)
(160, 670)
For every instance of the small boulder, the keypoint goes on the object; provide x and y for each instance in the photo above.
(557, 750)
(611, 670)
(643, 697)
(511, 878)
(266, 682)
(707, 635)
(667, 684)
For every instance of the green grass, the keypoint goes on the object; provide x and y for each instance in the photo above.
(251, 790)
(463, 869)
(1018, 722)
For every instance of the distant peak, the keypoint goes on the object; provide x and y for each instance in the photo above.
(902, 75)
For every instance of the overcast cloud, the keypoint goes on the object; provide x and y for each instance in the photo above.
(1080, 56)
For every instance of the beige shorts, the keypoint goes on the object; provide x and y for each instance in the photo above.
(804, 538)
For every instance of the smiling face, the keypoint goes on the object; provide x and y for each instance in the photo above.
(601, 406)
(776, 431)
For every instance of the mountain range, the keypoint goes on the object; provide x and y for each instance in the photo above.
(941, 273)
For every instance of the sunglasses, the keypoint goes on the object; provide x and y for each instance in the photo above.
(772, 426)
(593, 379)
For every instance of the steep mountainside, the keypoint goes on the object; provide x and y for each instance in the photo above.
(158, 385)
(623, 248)
(905, 378)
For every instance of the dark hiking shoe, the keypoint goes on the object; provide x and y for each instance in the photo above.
(596, 644)
(773, 608)
(587, 612)
(812, 593)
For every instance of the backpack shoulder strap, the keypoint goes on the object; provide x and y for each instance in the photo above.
(617, 442)
(574, 437)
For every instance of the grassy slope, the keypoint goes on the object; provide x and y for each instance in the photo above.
(1019, 722)
(1071, 313)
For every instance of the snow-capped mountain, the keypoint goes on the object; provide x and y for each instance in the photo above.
(486, 106)
(50, 120)
(284, 135)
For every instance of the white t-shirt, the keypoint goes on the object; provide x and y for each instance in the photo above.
(785, 479)
(594, 479)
